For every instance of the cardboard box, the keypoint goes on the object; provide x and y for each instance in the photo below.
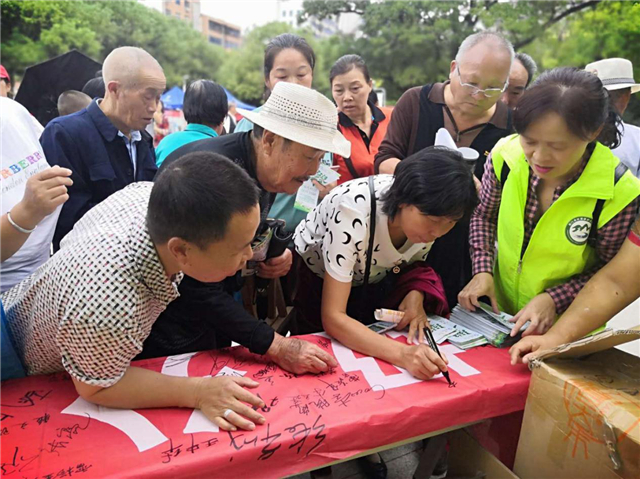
(468, 459)
(582, 417)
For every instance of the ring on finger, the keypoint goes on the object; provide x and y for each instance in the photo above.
(226, 413)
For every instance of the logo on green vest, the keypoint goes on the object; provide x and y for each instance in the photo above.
(578, 230)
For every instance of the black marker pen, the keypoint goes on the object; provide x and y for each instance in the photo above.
(432, 344)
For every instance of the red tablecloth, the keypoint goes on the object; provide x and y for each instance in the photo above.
(49, 432)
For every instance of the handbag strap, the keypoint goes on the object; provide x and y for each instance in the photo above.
(352, 169)
(372, 231)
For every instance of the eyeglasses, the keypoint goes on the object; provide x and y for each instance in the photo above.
(474, 90)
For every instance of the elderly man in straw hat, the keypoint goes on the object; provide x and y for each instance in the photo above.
(617, 77)
(292, 132)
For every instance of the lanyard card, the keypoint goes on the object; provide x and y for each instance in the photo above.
(307, 197)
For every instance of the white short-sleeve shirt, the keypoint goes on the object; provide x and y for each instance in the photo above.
(334, 237)
(629, 149)
(21, 157)
(90, 307)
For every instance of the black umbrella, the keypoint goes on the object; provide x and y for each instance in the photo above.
(43, 83)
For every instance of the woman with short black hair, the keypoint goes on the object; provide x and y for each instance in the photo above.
(557, 200)
(347, 256)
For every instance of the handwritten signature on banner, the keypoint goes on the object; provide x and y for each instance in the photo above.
(63, 436)
(175, 450)
(19, 464)
(297, 409)
(298, 432)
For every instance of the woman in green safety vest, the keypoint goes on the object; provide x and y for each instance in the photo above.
(555, 198)
(611, 289)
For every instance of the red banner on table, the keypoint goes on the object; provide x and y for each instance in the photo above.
(49, 432)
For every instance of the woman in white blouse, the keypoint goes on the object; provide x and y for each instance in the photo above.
(430, 192)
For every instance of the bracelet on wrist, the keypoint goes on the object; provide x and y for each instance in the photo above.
(17, 226)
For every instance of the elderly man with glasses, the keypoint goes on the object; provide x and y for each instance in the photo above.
(468, 107)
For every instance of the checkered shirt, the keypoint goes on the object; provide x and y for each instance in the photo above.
(90, 307)
(484, 229)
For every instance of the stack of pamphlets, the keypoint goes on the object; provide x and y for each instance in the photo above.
(456, 334)
(494, 327)
(441, 328)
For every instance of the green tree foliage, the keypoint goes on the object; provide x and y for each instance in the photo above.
(408, 43)
(242, 70)
(34, 31)
(610, 30)
(405, 43)
(243, 73)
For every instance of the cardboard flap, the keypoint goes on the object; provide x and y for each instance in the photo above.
(592, 344)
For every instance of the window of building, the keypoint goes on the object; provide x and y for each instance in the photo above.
(177, 2)
(214, 40)
(231, 32)
(215, 26)
(186, 4)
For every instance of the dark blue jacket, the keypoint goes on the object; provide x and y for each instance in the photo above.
(88, 144)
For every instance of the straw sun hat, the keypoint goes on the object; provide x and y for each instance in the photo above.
(303, 116)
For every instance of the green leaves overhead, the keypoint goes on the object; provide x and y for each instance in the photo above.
(34, 31)
(405, 43)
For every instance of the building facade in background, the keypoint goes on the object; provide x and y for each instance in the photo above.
(221, 33)
(216, 31)
(187, 10)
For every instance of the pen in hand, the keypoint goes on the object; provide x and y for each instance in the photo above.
(432, 344)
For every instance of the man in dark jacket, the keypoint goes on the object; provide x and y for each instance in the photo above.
(105, 145)
(291, 133)
(468, 107)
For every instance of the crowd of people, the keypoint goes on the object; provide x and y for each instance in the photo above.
(150, 231)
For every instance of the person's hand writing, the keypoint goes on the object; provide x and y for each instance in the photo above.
(541, 311)
(423, 362)
(299, 356)
(216, 395)
(276, 267)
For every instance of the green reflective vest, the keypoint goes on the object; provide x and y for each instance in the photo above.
(558, 248)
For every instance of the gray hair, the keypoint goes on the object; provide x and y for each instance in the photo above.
(481, 37)
(529, 64)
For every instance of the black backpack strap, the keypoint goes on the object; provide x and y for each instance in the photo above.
(592, 241)
(372, 233)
